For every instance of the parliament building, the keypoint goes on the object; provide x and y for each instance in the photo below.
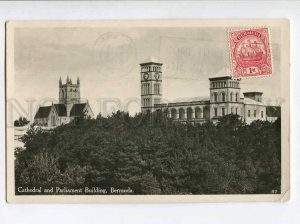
(224, 98)
(68, 108)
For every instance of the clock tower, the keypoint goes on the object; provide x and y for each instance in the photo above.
(151, 84)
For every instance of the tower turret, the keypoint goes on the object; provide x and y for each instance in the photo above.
(78, 81)
(60, 82)
(69, 94)
(151, 84)
(224, 97)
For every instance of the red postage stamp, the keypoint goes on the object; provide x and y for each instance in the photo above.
(250, 53)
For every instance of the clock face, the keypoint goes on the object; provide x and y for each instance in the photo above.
(146, 76)
(156, 76)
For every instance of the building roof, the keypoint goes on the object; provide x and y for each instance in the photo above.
(151, 59)
(251, 101)
(254, 92)
(191, 99)
(43, 112)
(61, 110)
(77, 109)
(222, 73)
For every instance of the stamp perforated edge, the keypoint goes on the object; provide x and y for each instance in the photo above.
(230, 56)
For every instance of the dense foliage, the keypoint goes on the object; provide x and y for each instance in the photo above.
(153, 155)
(22, 121)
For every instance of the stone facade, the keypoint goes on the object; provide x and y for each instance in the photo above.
(225, 98)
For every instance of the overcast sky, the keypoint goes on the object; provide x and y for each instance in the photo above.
(107, 62)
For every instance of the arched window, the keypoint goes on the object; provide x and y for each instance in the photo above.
(198, 114)
(236, 97)
(189, 113)
(215, 97)
(181, 113)
(223, 96)
(231, 96)
(173, 113)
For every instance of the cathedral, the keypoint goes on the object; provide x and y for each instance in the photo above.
(224, 98)
(68, 108)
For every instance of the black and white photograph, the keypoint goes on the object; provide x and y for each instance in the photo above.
(180, 111)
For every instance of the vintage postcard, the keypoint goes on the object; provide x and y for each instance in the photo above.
(147, 111)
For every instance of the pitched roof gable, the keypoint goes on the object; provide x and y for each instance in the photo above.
(61, 110)
(43, 112)
(78, 109)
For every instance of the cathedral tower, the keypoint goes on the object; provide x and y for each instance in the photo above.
(69, 93)
(151, 84)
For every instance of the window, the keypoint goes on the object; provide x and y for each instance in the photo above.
(216, 112)
(189, 113)
(181, 113)
(223, 97)
(197, 113)
(223, 111)
(231, 94)
(215, 97)
(254, 113)
(231, 110)
(262, 114)
(146, 102)
(248, 113)
(174, 113)
(236, 97)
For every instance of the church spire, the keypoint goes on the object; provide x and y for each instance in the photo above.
(70, 81)
(60, 82)
(78, 81)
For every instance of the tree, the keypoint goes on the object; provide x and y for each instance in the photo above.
(154, 155)
(22, 121)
